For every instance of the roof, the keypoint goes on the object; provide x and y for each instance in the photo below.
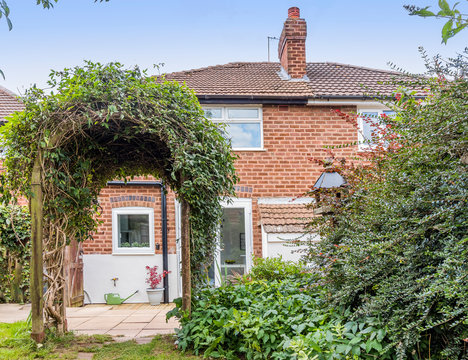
(8, 103)
(264, 79)
(284, 218)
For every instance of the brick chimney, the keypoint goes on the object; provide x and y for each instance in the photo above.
(291, 47)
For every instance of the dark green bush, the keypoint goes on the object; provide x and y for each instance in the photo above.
(15, 227)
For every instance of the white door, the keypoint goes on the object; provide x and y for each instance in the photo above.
(234, 250)
(234, 255)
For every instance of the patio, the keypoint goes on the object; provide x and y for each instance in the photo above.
(126, 321)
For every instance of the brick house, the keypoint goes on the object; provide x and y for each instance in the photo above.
(278, 116)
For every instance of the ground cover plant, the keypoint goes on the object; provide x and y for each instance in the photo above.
(15, 343)
(267, 314)
(396, 246)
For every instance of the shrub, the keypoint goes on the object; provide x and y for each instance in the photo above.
(275, 269)
(15, 233)
(277, 319)
(397, 246)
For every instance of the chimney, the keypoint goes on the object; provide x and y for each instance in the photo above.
(291, 47)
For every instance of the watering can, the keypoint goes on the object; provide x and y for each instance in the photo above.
(115, 299)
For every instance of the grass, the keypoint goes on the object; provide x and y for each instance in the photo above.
(15, 343)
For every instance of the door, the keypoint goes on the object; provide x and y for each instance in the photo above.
(74, 274)
(234, 255)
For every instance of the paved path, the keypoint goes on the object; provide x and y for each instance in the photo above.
(126, 321)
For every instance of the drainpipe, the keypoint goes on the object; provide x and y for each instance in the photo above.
(164, 242)
(163, 223)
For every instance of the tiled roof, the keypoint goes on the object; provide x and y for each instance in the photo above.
(264, 79)
(284, 218)
(8, 103)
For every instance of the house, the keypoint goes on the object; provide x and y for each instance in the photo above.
(278, 115)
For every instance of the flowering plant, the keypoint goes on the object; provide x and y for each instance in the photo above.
(154, 279)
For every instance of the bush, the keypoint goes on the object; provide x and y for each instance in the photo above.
(397, 246)
(275, 269)
(15, 227)
(277, 319)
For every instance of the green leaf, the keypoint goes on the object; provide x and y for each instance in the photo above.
(447, 31)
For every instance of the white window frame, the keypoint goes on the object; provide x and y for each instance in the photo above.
(116, 250)
(362, 144)
(225, 120)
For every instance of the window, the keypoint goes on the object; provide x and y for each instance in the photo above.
(369, 122)
(243, 125)
(133, 230)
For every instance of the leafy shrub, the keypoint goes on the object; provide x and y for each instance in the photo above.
(275, 269)
(15, 227)
(397, 245)
(263, 319)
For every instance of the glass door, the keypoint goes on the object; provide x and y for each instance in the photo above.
(234, 253)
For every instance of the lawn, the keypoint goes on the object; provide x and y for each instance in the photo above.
(15, 343)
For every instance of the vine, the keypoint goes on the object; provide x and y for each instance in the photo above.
(101, 122)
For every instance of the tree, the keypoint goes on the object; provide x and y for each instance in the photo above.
(396, 245)
(456, 21)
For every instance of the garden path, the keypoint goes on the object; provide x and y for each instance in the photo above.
(126, 321)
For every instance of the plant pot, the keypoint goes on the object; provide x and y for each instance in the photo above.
(155, 296)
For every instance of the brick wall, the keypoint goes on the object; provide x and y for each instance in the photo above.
(292, 135)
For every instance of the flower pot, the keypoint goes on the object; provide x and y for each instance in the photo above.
(155, 296)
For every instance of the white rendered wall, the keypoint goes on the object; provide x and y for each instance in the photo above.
(276, 244)
(99, 269)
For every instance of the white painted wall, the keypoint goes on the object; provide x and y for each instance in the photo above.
(99, 269)
(276, 244)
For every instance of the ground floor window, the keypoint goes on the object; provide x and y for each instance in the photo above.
(133, 230)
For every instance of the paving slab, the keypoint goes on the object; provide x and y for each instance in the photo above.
(124, 322)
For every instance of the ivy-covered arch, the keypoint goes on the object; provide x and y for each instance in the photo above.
(101, 122)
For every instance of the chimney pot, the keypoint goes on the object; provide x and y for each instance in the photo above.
(294, 12)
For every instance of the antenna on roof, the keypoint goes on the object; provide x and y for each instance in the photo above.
(270, 38)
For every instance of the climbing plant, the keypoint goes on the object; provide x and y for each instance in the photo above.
(101, 122)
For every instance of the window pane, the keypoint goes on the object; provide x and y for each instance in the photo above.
(369, 121)
(233, 251)
(243, 113)
(389, 113)
(133, 231)
(244, 135)
(213, 113)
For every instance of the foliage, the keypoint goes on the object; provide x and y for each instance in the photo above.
(275, 268)
(277, 319)
(15, 232)
(396, 245)
(456, 20)
(154, 279)
(101, 122)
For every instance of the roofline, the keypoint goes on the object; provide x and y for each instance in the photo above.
(252, 99)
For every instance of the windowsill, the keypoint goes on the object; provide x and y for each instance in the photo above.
(250, 149)
(144, 252)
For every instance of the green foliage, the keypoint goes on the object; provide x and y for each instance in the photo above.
(275, 269)
(276, 319)
(456, 20)
(15, 232)
(101, 122)
(397, 246)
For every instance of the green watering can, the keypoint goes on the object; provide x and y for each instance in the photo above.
(115, 299)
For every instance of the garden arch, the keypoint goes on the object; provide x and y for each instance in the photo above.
(99, 123)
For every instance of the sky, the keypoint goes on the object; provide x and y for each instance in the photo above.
(185, 34)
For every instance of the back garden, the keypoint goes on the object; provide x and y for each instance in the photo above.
(388, 280)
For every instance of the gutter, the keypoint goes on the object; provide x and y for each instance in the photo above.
(163, 223)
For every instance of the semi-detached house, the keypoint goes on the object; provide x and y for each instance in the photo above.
(278, 115)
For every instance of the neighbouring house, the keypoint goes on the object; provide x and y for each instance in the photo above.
(278, 116)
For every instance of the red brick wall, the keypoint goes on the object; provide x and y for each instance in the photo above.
(292, 135)
(291, 47)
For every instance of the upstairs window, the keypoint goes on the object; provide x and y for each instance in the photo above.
(244, 125)
(369, 123)
(133, 230)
